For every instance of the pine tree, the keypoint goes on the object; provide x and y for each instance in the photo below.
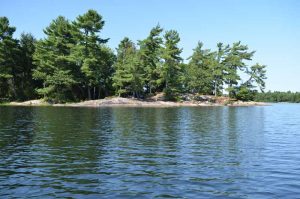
(150, 50)
(9, 56)
(257, 76)
(106, 60)
(198, 71)
(129, 75)
(73, 63)
(89, 49)
(235, 62)
(171, 72)
(217, 67)
(55, 65)
(27, 84)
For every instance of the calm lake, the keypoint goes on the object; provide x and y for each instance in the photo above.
(205, 152)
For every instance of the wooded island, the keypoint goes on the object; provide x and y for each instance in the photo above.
(73, 63)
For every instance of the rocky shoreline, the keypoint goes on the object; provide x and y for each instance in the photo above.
(133, 102)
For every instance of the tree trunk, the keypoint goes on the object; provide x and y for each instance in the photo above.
(13, 87)
(215, 91)
(89, 92)
(44, 86)
(99, 92)
(94, 94)
(106, 93)
(230, 91)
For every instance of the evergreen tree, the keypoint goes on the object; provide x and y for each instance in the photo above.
(150, 50)
(129, 75)
(217, 67)
(235, 62)
(9, 56)
(198, 71)
(257, 75)
(55, 64)
(171, 72)
(245, 93)
(89, 49)
(73, 62)
(106, 60)
(278, 96)
(27, 84)
(120, 79)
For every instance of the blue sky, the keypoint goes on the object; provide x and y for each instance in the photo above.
(271, 27)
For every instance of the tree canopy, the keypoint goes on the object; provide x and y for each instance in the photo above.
(73, 62)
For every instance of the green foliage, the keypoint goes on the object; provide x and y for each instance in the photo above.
(27, 83)
(171, 71)
(257, 75)
(199, 76)
(54, 60)
(150, 55)
(103, 76)
(245, 94)
(75, 53)
(217, 67)
(278, 96)
(74, 63)
(9, 66)
(129, 76)
(234, 62)
(16, 63)
(89, 52)
(59, 86)
(247, 91)
(210, 72)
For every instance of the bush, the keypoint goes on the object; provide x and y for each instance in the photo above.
(245, 94)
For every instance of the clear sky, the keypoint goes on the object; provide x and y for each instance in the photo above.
(271, 27)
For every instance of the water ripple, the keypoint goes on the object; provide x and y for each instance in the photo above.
(207, 152)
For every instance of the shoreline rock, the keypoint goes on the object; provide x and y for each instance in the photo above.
(132, 102)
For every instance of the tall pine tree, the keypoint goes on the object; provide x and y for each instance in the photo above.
(235, 62)
(129, 75)
(55, 65)
(217, 68)
(9, 60)
(171, 72)
(27, 83)
(150, 53)
(198, 71)
(89, 52)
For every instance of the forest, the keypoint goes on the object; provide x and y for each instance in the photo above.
(278, 96)
(74, 63)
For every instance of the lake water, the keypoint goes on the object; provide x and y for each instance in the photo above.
(205, 152)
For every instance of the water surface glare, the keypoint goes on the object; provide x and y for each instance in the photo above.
(205, 152)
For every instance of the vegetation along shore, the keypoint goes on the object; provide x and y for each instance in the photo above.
(155, 101)
(73, 63)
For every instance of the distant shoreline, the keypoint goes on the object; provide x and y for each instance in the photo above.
(133, 102)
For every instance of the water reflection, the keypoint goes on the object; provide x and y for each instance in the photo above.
(137, 152)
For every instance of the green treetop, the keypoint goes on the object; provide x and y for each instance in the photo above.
(149, 53)
(9, 56)
(198, 71)
(88, 52)
(171, 71)
(73, 62)
(217, 67)
(235, 62)
(27, 84)
(55, 65)
(129, 75)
